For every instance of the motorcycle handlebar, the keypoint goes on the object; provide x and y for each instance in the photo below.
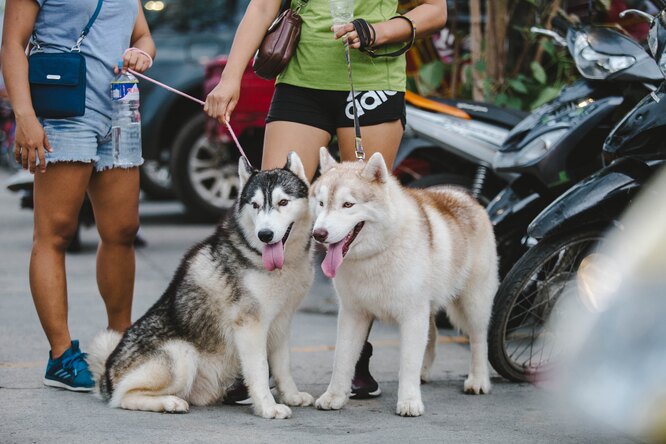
(548, 33)
(637, 12)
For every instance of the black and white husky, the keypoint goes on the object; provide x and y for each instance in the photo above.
(227, 310)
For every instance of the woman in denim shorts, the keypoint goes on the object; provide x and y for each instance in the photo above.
(71, 157)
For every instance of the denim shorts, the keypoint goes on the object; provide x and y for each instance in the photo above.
(84, 139)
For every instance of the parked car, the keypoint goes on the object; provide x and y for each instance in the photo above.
(204, 158)
(187, 35)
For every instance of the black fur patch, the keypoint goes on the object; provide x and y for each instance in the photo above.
(267, 181)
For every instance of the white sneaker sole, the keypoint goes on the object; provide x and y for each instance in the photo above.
(57, 384)
(374, 394)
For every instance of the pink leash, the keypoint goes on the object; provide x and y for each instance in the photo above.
(194, 99)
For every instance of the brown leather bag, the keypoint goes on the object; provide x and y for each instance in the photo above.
(278, 45)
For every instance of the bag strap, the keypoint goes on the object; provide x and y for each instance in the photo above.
(300, 4)
(82, 36)
(86, 30)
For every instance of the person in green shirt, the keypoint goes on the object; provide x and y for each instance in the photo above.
(312, 100)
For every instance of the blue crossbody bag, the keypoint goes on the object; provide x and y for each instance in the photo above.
(58, 79)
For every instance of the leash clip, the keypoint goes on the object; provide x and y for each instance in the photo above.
(360, 154)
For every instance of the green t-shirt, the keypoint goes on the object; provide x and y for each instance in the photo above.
(319, 61)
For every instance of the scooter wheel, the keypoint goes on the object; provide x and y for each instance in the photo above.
(521, 346)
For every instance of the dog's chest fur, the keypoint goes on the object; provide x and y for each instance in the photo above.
(425, 255)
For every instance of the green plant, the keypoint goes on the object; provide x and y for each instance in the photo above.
(517, 70)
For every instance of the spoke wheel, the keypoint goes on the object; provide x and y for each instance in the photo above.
(521, 344)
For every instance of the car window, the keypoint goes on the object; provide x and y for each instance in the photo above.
(192, 16)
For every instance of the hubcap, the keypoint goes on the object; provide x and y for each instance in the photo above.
(213, 172)
(158, 172)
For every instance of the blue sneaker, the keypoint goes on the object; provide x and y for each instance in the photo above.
(69, 371)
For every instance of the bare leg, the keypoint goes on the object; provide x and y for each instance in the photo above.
(59, 193)
(283, 137)
(383, 138)
(114, 194)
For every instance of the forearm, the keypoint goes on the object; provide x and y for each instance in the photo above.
(15, 72)
(428, 18)
(250, 33)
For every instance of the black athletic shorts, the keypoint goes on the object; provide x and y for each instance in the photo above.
(329, 110)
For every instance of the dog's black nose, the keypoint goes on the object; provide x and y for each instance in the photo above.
(320, 234)
(265, 235)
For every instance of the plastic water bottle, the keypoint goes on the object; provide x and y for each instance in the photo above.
(342, 11)
(126, 120)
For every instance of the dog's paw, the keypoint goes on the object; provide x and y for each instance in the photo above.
(331, 401)
(275, 411)
(173, 404)
(475, 385)
(410, 407)
(297, 399)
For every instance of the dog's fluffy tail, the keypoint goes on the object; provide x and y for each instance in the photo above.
(100, 349)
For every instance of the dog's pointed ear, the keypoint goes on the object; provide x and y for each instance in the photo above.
(376, 169)
(245, 170)
(326, 161)
(295, 165)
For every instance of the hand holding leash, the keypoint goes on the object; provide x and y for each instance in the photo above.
(200, 102)
(222, 100)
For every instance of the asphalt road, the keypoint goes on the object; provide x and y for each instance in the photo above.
(512, 413)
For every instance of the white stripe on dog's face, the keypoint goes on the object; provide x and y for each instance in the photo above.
(274, 214)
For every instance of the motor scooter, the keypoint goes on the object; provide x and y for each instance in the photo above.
(567, 232)
(560, 143)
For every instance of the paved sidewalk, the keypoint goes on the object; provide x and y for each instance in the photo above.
(513, 413)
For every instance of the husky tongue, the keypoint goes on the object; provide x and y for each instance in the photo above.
(273, 256)
(333, 259)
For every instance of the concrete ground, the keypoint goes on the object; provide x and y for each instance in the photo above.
(513, 413)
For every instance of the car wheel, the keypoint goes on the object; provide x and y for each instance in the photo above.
(156, 180)
(205, 172)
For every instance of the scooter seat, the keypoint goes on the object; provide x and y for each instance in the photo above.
(504, 117)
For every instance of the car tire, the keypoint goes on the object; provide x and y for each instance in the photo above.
(205, 173)
(156, 181)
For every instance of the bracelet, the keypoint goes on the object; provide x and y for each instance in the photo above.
(366, 36)
(142, 52)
